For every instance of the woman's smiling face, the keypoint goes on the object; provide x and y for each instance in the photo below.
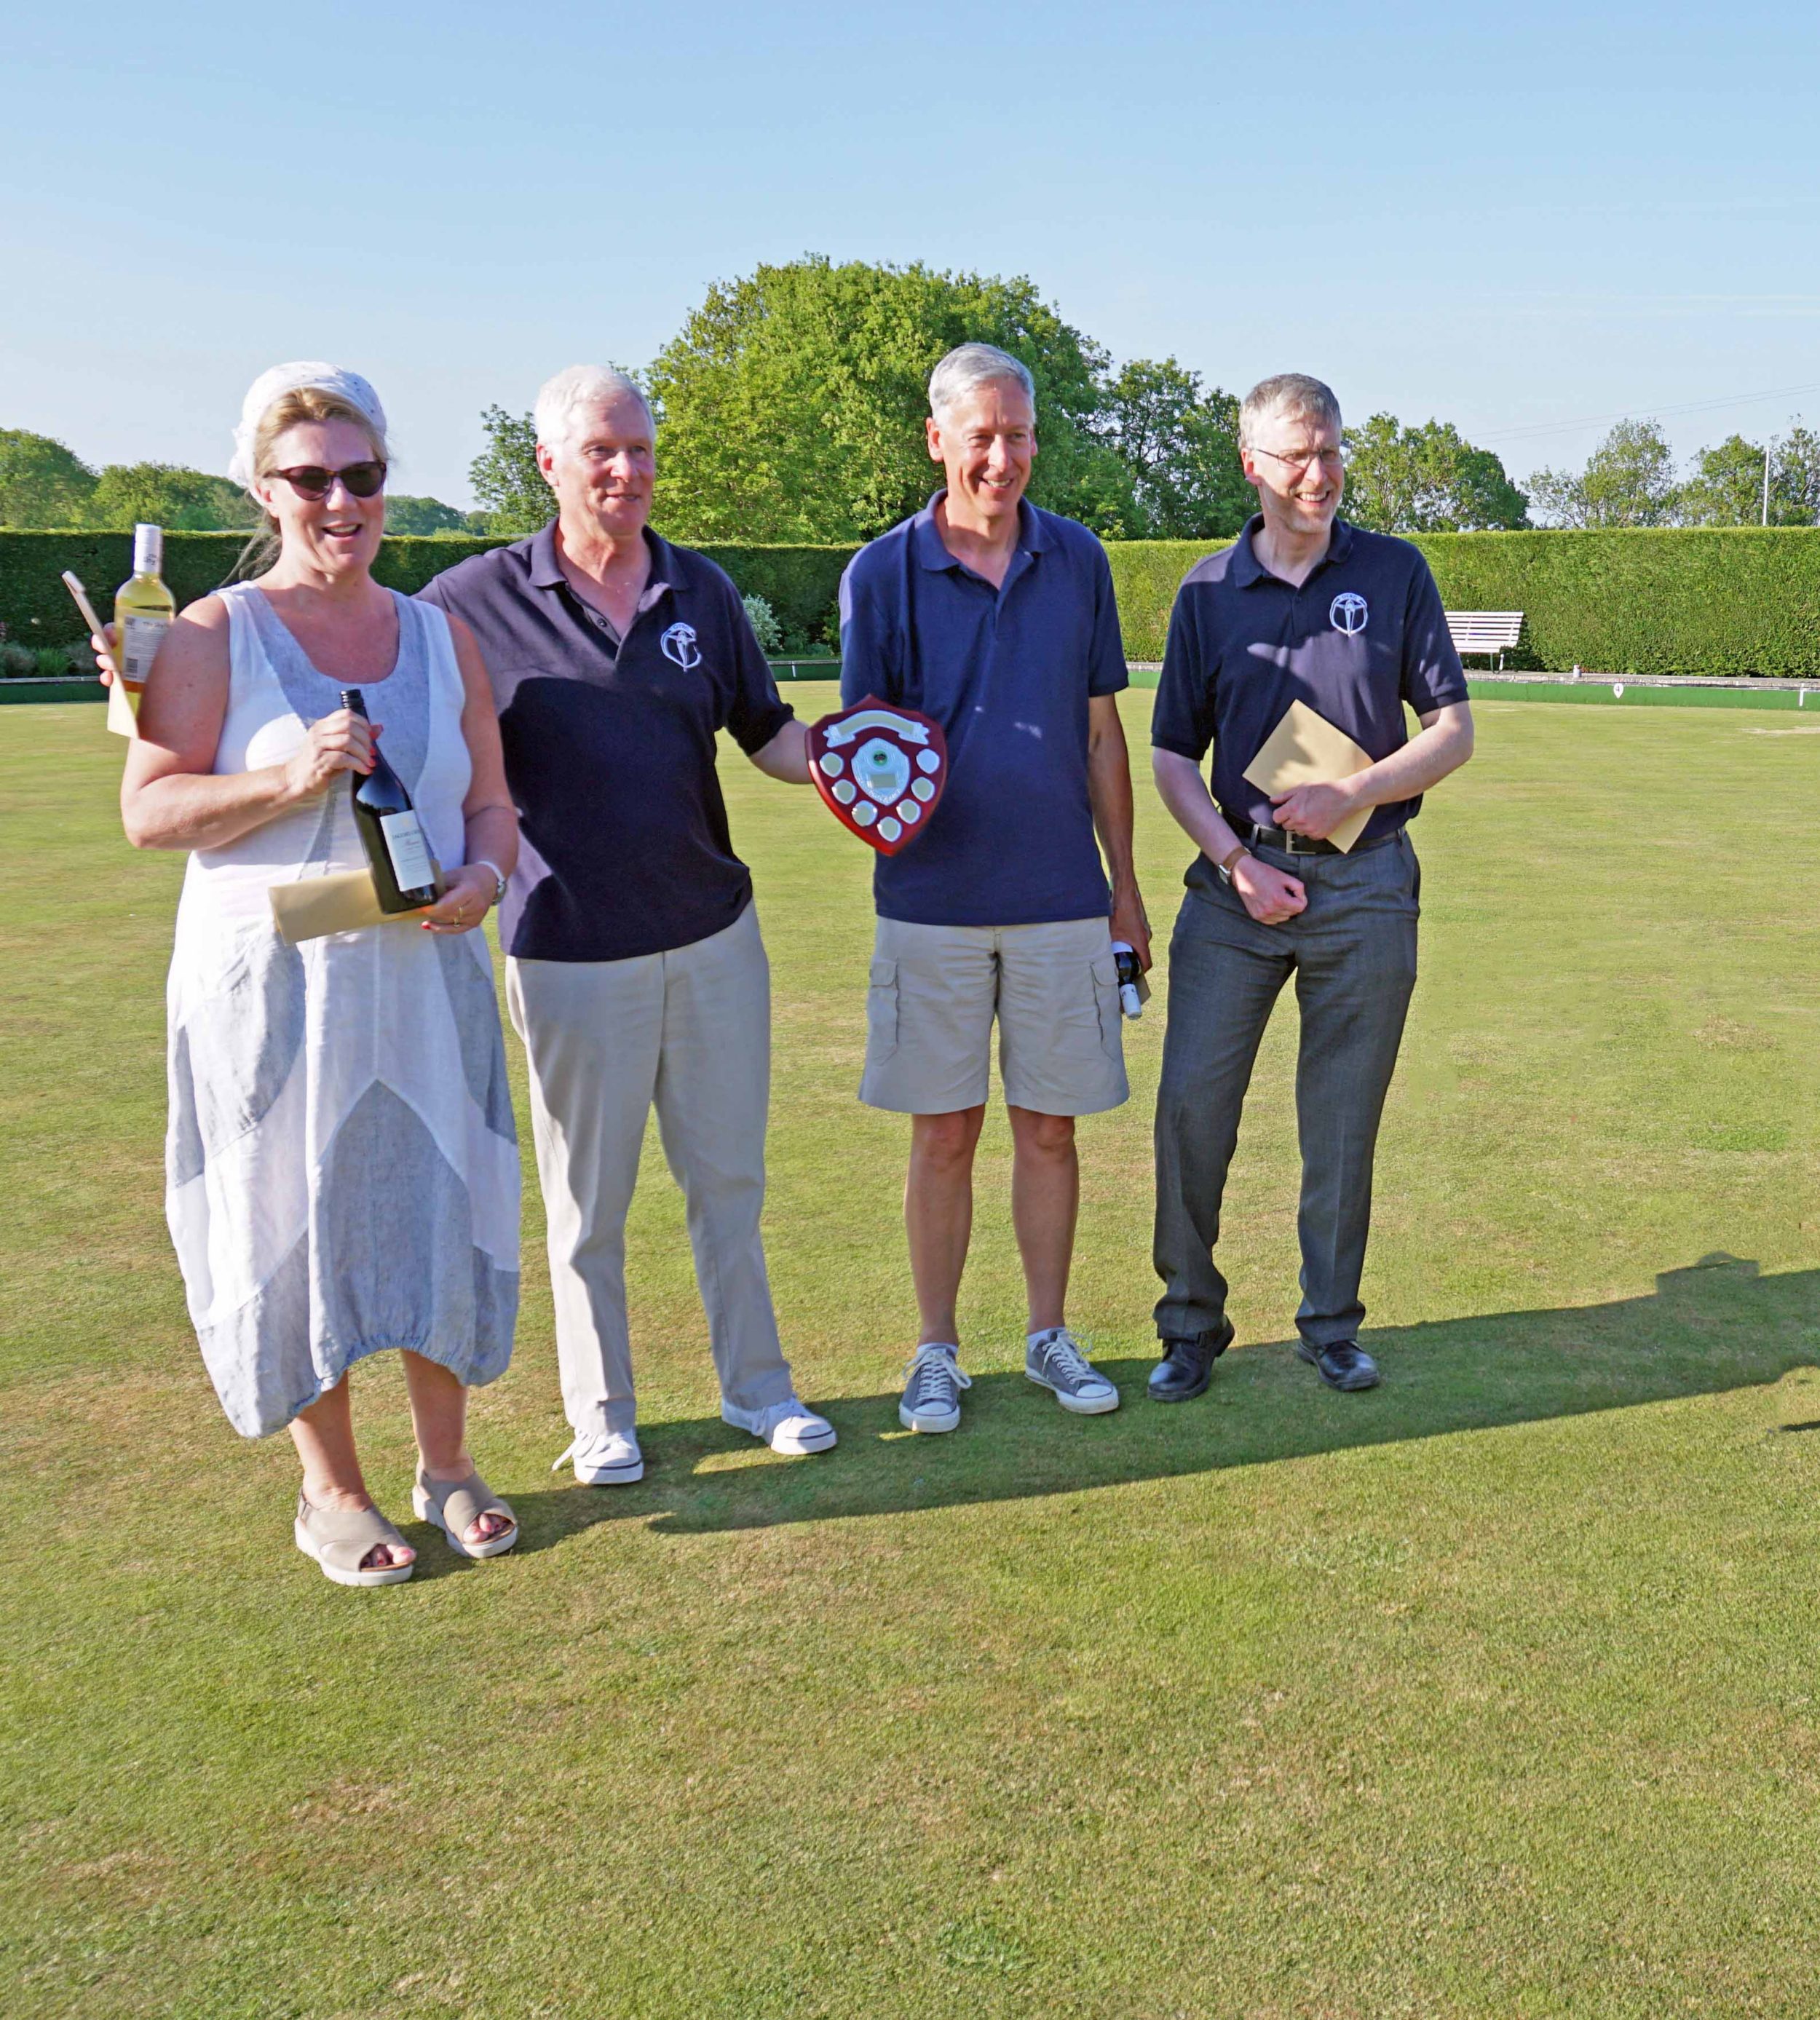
(338, 532)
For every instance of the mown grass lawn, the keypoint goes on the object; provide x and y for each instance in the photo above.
(1494, 1691)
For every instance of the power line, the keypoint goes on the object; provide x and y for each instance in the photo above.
(1638, 413)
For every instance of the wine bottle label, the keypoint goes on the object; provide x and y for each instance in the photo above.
(409, 853)
(139, 639)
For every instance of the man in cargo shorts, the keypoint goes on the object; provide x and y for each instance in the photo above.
(998, 619)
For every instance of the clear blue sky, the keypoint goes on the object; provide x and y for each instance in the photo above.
(1517, 217)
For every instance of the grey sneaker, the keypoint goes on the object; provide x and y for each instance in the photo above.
(931, 1390)
(1054, 1360)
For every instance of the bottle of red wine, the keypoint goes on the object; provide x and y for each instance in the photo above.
(403, 874)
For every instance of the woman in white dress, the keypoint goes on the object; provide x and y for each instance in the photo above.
(342, 1166)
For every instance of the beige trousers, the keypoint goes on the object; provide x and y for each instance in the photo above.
(689, 1032)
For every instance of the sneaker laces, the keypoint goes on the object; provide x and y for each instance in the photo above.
(931, 1368)
(1062, 1352)
(567, 1453)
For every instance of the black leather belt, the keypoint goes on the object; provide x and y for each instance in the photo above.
(1257, 835)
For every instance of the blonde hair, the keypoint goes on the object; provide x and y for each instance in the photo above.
(309, 403)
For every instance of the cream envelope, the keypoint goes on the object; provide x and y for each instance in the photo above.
(341, 903)
(1305, 749)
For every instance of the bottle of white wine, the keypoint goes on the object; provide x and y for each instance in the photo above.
(143, 610)
(403, 875)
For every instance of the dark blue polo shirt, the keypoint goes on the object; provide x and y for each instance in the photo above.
(1008, 674)
(609, 747)
(1361, 636)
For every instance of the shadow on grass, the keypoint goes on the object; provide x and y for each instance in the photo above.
(1716, 1327)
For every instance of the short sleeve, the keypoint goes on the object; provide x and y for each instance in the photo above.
(1183, 719)
(756, 711)
(433, 592)
(1433, 677)
(868, 660)
(1106, 670)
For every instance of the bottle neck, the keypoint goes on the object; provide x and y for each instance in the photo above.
(354, 701)
(148, 549)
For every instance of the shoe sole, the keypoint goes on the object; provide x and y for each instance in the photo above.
(610, 1476)
(1073, 1403)
(1347, 1387)
(911, 1421)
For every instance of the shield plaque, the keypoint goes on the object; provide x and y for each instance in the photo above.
(881, 770)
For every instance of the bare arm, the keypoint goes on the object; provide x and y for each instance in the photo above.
(170, 795)
(1109, 792)
(1442, 745)
(786, 756)
(491, 820)
(1269, 895)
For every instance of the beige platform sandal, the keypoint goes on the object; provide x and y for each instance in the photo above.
(339, 1538)
(455, 1506)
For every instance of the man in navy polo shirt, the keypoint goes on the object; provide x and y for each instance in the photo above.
(998, 619)
(635, 974)
(1303, 608)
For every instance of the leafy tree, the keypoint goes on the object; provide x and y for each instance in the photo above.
(1629, 481)
(792, 401)
(1425, 480)
(1726, 489)
(514, 499)
(42, 482)
(187, 501)
(406, 515)
(1180, 445)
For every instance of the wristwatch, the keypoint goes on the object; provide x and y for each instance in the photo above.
(1224, 870)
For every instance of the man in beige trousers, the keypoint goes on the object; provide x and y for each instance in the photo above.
(635, 972)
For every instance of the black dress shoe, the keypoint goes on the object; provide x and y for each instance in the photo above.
(1186, 1367)
(1345, 1365)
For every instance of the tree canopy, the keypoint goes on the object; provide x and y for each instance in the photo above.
(1425, 480)
(42, 482)
(1179, 441)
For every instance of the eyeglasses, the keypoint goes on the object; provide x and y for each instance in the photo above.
(311, 480)
(1328, 459)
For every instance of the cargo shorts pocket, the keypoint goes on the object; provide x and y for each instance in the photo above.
(1105, 1001)
(881, 1009)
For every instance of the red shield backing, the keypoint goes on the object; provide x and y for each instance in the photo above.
(881, 771)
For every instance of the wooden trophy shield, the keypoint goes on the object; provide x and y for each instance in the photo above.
(881, 771)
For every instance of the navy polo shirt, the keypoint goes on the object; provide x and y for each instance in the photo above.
(609, 747)
(1363, 635)
(1008, 672)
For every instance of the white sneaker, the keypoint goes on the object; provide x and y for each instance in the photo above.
(605, 1458)
(788, 1426)
(931, 1389)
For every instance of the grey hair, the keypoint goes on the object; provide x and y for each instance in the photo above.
(1293, 394)
(969, 366)
(578, 386)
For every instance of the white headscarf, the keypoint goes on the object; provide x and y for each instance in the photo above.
(282, 379)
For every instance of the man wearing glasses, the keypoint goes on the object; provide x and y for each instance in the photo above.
(1303, 608)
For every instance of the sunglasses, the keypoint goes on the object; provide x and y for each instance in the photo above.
(311, 480)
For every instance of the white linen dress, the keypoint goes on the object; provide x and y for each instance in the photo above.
(342, 1163)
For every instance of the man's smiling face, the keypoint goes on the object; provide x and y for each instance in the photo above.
(986, 440)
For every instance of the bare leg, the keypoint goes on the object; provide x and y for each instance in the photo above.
(1045, 1198)
(938, 1214)
(323, 1437)
(439, 1417)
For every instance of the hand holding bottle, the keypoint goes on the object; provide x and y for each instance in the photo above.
(467, 902)
(342, 742)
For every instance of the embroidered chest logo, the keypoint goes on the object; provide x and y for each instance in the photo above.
(1349, 612)
(679, 647)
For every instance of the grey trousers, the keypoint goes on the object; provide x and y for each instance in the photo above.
(1353, 954)
(688, 1031)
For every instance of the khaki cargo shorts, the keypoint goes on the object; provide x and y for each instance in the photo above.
(935, 990)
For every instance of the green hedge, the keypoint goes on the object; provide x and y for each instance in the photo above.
(1719, 600)
(1732, 599)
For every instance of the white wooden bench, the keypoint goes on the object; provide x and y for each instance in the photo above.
(1492, 633)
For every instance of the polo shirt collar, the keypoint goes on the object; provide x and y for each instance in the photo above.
(1033, 535)
(666, 575)
(1246, 568)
